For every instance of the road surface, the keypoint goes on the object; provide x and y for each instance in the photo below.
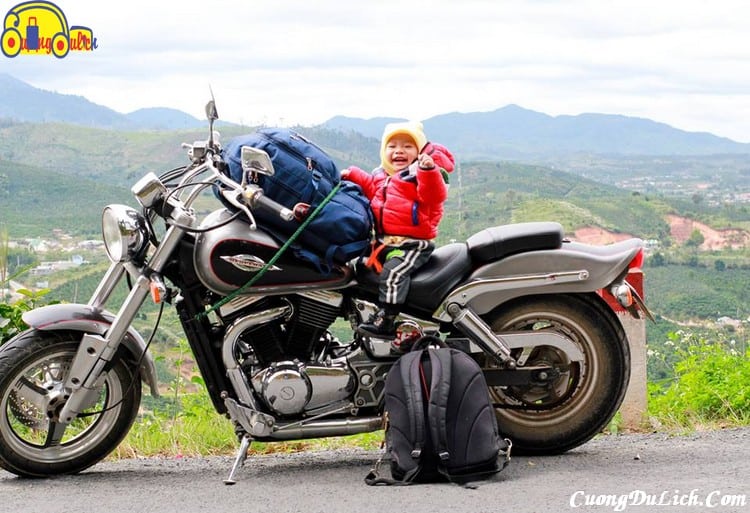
(708, 471)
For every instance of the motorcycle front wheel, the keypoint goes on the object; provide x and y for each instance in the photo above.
(33, 368)
(584, 396)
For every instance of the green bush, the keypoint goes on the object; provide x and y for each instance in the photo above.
(11, 322)
(710, 383)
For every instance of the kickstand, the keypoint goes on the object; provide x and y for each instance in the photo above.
(240, 459)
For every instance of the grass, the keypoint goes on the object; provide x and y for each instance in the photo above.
(709, 387)
(197, 430)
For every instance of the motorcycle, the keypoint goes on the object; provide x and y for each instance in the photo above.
(525, 302)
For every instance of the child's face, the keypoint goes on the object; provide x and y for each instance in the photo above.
(400, 151)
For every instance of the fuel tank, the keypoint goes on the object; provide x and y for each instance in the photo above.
(230, 255)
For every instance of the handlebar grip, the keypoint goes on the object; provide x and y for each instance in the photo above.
(263, 202)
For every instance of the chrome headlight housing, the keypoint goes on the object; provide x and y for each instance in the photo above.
(124, 232)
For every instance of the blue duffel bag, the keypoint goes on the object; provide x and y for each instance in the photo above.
(304, 175)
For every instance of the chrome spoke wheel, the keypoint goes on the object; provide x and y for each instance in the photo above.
(33, 370)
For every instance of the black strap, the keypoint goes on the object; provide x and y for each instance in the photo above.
(410, 373)
(440, 385)
(437, 412)
(374, 479)
(410, 376)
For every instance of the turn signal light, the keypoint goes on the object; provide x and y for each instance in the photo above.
(623, 294)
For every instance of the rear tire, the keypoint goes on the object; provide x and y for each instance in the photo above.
(33, 367)
(557, 417)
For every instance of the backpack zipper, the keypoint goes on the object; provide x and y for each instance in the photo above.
(308, 161)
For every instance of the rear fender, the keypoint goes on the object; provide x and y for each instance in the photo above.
(84, 318)
(573, 268)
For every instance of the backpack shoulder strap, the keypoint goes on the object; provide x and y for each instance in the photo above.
(409, 369)
(410, 373)
(440, 360)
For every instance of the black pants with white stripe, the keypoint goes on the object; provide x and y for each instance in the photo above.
(399, 262)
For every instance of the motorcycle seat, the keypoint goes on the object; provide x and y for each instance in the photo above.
(447, 267)
(498, 242)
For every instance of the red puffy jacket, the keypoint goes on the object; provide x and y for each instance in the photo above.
(404, 203)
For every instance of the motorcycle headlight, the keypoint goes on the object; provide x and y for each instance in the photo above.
(124, 232)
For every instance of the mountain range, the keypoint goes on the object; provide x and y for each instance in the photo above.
(511, 132)
(20, 101)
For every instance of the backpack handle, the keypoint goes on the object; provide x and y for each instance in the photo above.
(428, 340)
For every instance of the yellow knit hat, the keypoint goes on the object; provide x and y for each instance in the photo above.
(413, 129)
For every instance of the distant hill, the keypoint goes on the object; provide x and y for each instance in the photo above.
(20, 101)
(510, 132)
(513, 132)
(34, 201)
(120, 157)
(160, 118)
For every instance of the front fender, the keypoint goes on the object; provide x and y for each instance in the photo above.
(84, 318)
(573, 268)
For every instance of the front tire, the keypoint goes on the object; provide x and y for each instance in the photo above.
(582, 400)
(33, 368)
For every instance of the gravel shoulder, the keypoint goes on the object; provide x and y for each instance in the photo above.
(696, 472)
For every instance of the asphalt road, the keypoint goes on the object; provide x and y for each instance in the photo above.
(702, 472)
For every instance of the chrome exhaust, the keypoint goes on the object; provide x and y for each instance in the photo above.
(326, 428)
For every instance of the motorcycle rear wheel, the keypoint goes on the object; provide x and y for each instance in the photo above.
(33, 368)
(583, 399)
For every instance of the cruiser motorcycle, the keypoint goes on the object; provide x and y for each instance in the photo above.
(525, 302)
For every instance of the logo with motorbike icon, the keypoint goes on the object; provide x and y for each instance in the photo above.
(41, 28)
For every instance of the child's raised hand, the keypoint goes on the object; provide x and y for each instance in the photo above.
(426, 162)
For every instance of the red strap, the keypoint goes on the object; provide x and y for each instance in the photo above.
(373, 261)
(425, 386)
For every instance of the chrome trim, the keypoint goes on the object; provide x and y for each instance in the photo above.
(326, 428)
(90, 319)
(238, 303)
(531, 339)
(328, 297)
(124, 232)
(464, 294)
(232, 336)
(148, 190)
(255, 423)
(477, 330)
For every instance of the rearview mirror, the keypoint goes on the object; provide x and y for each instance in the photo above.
(255, 161)
(211, 113)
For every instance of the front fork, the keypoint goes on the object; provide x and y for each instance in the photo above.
(96, 351)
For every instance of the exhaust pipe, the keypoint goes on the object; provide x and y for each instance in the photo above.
(326, 428)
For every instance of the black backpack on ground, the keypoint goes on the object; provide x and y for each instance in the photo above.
(440, 424)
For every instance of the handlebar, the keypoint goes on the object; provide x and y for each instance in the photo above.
(256, 199)
(240, 196)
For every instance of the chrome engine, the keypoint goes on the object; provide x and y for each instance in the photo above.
(290, 388)
(280, 350)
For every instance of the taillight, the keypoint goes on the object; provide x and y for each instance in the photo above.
(637, 261)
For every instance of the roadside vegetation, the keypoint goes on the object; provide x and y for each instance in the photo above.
(708, 383)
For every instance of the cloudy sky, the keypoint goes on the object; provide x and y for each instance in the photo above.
(685, 63)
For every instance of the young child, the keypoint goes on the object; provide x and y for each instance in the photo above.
(406, 194)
